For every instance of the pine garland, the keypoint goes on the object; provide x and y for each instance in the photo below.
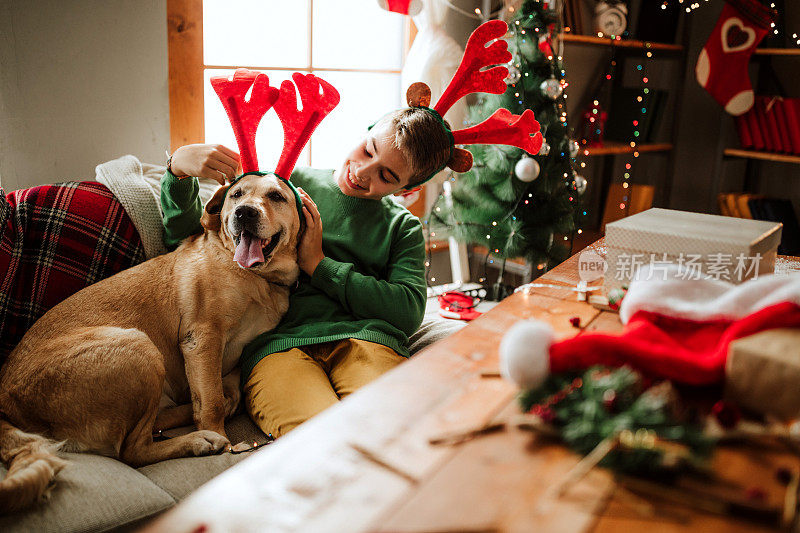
(600, 403)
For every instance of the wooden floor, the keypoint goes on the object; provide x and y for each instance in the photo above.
(367, 465)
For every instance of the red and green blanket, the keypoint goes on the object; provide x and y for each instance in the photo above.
(54, 241)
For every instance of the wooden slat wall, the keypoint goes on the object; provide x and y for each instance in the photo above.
(185, 48)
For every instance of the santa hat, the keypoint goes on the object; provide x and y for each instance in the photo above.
(675, 328)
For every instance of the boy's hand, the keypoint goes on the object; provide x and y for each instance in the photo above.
(212, 161)
(310, 250)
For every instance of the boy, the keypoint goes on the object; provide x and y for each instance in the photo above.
(362, 289)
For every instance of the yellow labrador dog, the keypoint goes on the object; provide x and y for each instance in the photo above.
(98, 370)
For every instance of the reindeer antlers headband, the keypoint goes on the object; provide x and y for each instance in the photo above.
(503, 127)
(245, 112)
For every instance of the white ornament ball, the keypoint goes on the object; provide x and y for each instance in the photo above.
(545, 149)
(513, 75)
(574, 147)
(527, 169)
(525, 353)
(552, 88)
(580, 184)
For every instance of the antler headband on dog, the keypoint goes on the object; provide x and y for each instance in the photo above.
(503, 127)
(248, 96)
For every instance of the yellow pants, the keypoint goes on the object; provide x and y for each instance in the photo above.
(287, 388)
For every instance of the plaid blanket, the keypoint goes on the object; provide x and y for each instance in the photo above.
(54, 241)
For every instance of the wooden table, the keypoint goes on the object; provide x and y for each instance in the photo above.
(366, 464)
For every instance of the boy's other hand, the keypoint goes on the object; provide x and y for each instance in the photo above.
(310, 250)
(212, 161)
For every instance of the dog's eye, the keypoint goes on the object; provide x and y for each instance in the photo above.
(275, 196)
(237, 194)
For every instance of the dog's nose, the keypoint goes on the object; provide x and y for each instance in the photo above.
(246, 213)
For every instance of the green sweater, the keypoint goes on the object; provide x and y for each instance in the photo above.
(370, 286)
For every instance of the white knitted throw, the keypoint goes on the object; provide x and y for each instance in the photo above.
(137, 186)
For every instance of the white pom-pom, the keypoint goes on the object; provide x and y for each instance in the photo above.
(525, 353)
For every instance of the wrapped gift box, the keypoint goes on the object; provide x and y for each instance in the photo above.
(709, 246)
(762, 373)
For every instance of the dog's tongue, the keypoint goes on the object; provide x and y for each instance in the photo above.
(248, 251)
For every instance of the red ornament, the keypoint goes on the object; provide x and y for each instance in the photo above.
(546, 45)
(610, 400)
(726, 413)
(756, 494)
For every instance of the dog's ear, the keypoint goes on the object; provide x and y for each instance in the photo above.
(211, 220)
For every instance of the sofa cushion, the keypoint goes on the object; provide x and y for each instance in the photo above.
(92, 493)
(433, 328)
(179, 477)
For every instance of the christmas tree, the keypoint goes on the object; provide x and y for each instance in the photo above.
(511, 203)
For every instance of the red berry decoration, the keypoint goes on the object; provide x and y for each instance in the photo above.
(727, 414)
(575, 321)
(756, 494)
(547, 415)
(610, 400)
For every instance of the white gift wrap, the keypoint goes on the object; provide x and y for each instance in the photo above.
(702, 245)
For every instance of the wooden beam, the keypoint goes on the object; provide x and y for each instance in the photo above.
(185, 49)
(765, 156)
(619, 43)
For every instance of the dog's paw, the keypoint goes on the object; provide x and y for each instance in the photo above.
(231, 405)
(208, 443)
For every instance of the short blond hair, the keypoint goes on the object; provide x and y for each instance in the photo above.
(419, 135)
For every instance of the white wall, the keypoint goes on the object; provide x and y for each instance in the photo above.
(81, 82)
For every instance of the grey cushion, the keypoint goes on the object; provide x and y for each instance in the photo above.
(179, 477)
(92, 493)
(433, 328)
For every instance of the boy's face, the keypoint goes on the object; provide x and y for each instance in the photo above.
(376, 167)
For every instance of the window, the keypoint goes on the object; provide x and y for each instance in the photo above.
(353, 44)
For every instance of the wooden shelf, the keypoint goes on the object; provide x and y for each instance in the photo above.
(765, 156)
(612, 148)
(619, 43)
(777, 52)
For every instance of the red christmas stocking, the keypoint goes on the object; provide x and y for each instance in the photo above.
(722, 66)
(404, 7)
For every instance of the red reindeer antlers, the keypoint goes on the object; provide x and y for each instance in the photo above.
(469, 78)
(319, 98)
(503, 127)
(243, 112)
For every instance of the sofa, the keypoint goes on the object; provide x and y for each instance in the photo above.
(96, 493)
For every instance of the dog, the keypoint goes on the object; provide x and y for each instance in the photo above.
(141, 350)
